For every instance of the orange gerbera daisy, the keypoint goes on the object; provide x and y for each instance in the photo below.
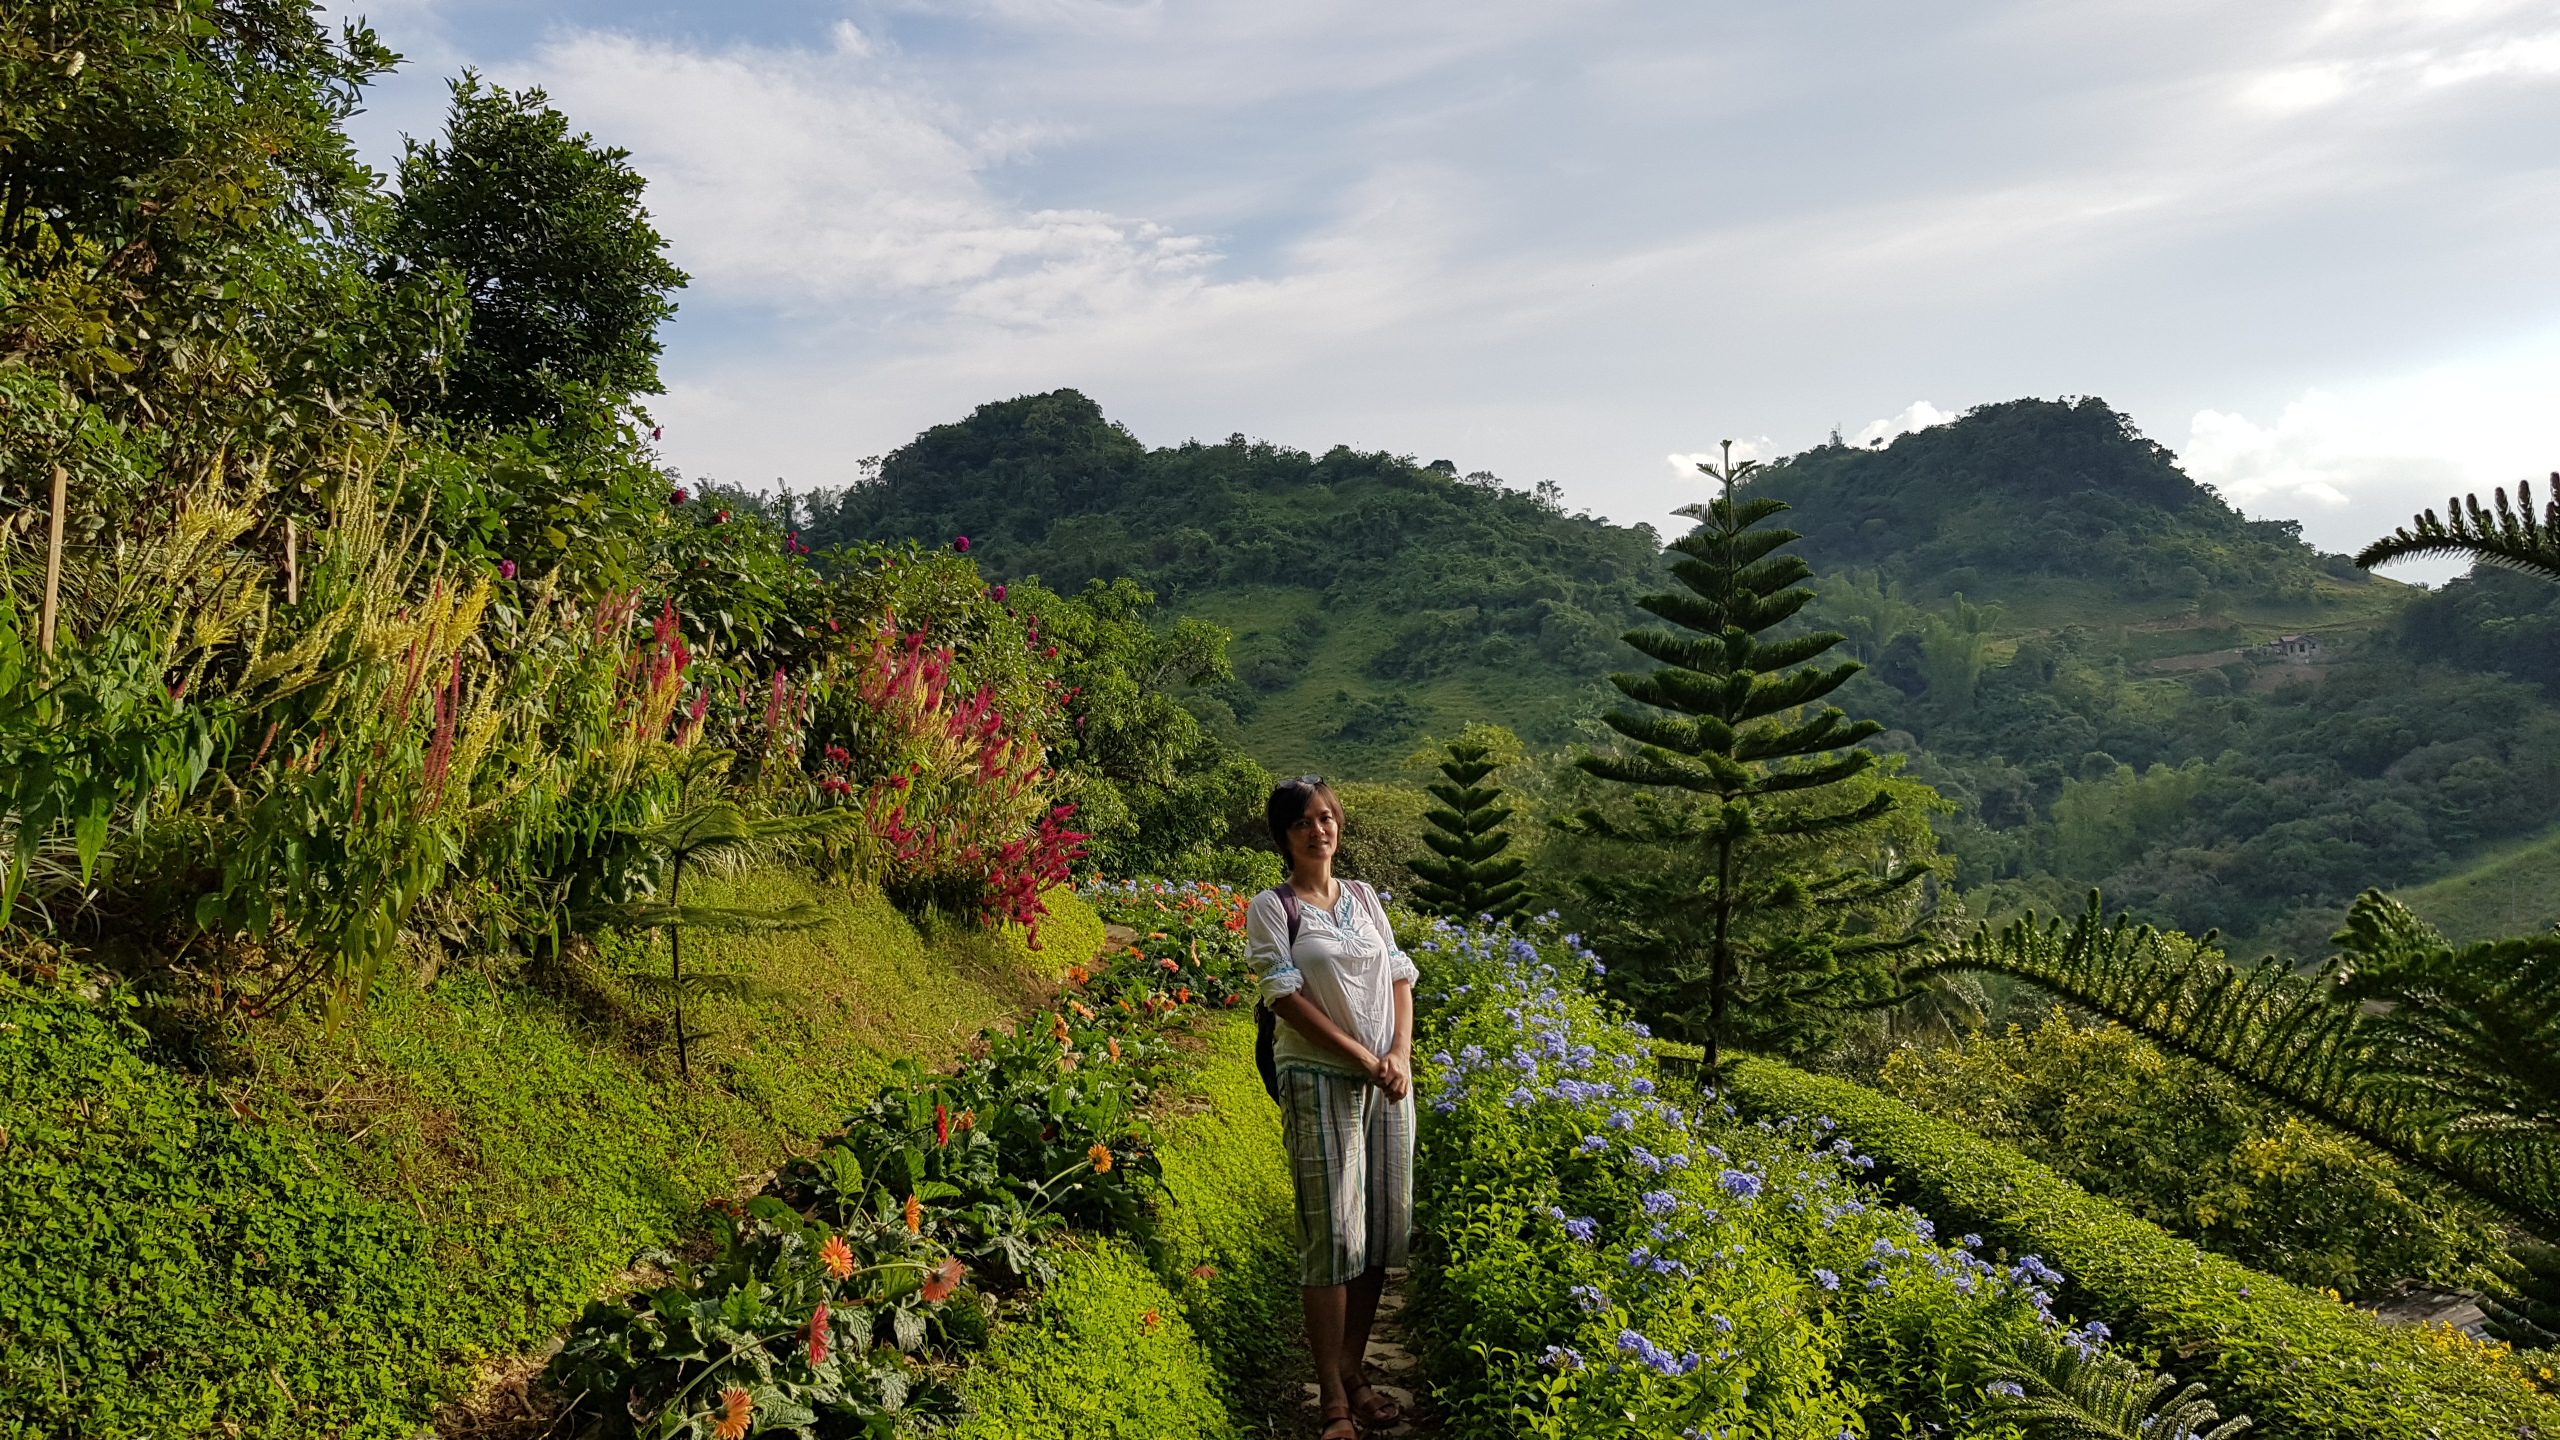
(1079, 974)
(1101, 1157)
(836, 1256)
(915, 1216)
(943, 1279)
(739, 1412)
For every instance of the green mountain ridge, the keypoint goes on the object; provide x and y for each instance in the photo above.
(2065, 633)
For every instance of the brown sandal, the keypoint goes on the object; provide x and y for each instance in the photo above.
(1339, 1424)
(1381, 1411)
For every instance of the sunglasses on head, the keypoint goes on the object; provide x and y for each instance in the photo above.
(1302, 782)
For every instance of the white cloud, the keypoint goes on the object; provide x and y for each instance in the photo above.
(1918, 415)
(815, 180)
(2355, 461)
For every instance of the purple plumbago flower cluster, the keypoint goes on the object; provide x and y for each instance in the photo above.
(1655, 1357)
(1676, 1252)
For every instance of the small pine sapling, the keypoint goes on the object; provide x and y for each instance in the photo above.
(1472, 877)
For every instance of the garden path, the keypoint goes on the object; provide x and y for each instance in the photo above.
(1393, 1368)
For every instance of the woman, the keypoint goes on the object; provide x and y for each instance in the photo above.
(1343, 994)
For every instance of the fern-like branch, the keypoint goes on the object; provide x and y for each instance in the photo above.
(2337, 1046)
(2515, 538)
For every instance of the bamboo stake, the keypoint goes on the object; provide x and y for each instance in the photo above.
(292, 564)
(53, 566)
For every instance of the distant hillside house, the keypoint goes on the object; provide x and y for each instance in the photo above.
(2294, 649)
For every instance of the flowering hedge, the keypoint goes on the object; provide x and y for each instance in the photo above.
(2301, 1362)
(1613, 1255)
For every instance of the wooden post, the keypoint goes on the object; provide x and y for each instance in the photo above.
(292, 565)
(53, 566)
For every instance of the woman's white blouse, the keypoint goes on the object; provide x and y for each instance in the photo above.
(1345, 960)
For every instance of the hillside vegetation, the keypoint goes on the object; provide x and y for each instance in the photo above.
(1371, 598)
(2064, 633)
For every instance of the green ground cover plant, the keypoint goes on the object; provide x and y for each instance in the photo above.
(311, 1232)
(2305, 1365)
(1609, 1256)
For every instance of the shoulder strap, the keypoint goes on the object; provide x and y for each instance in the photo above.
(1288, 909)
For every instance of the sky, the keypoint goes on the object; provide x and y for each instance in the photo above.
(2312, 247)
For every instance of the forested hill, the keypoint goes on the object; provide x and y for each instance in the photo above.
(1372, 598)
(2051, 489)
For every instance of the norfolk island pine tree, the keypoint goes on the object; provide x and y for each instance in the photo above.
(1727, 724)
(1472, 877)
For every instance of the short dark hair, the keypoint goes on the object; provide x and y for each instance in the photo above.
(1288, 805)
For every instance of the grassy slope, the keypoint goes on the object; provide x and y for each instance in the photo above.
(2507, 890)
(326, 1233)
(1292, 730)
(1089, 1362)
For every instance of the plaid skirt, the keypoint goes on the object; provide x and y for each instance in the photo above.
(1351, 1163)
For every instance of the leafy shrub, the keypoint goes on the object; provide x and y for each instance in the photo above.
(1606, 1262)
(2186, 1149)
(2305, 1365)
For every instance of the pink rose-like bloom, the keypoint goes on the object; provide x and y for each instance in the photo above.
(999, 593)
(506, 569)
(961, 544)
(681, 496)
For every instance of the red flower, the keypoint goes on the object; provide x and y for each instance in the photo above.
(999, 594)
(680, 496)
(941, 1125)
(961, 544)
(818, 1335)
(836, 1256)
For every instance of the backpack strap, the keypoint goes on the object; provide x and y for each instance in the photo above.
(1265, 1033)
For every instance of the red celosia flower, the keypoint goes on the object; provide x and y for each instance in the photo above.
(941, 1124)
(741, 1412)
(836, 1256)
(818, 1335)
(943, 1279)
